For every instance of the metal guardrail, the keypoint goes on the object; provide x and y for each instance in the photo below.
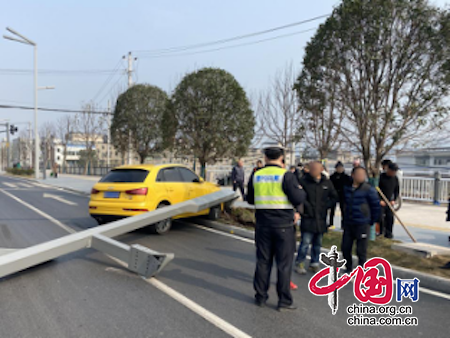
(423, 189)
(139, 259)
(91, 171)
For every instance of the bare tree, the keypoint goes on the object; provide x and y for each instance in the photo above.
(89, 125)
(64, 127)
(322, 112)
(24, 148)
(389, 63)
(46, 136)
(278, 117)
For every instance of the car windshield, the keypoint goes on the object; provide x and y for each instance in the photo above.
(125, 176)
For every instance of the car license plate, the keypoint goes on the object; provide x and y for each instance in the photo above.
(111, 194)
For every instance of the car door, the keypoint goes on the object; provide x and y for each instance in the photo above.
(173, 184)
(194, 186)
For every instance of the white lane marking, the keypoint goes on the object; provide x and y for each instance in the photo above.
(59, 198)
(218, 322)
(422, 289)
(25, 185)
(223, 325)
(42, 185)
(11, 185)
(196, 308)
(43, 214)
(226, 234)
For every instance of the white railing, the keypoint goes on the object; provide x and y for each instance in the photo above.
(444, 191)
(422, 189)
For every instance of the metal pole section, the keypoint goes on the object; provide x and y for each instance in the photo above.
(8, 147)
(36, 136)
(108, 135)
(12, 262)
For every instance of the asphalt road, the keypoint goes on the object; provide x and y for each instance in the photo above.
(87, 294)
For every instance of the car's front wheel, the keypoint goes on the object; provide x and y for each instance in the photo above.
(162, 227)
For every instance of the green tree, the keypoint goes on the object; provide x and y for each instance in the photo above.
(211, 117)
(139, 113)
(385, 65)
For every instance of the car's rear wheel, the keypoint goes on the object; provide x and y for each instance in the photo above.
(162, 227)
(214, 213)
(100, 220)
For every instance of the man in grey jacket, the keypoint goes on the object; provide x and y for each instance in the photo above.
(238, 177)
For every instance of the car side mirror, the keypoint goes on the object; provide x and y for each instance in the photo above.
(198, 180)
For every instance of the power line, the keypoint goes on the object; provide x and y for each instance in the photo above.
(29, 103)
(57, 72)
(55, 110)
(110, 89)
(221, 41)
(230, 47)
(108, 80)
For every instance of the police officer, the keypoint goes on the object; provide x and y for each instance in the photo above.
(275, 192)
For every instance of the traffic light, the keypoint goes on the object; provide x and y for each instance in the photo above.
(12, 129)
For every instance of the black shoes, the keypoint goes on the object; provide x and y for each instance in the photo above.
(286, 308)
(260, 303)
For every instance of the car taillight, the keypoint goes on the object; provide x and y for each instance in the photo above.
(140, 191)
(94, 191)
(92, 207)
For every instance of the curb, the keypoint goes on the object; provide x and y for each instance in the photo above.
(431, 282)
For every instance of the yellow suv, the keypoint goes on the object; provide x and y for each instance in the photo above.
(132, 190)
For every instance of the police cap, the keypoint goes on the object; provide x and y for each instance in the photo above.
(273, 152)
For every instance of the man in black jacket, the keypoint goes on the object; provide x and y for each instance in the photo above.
(238, 177)
(390, 187)
(339, 180)
(320, 196)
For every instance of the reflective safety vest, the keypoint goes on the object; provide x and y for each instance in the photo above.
(268, 187)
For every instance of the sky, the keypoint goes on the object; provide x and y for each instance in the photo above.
(80, 35)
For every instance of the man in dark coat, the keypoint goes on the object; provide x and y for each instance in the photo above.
(238, 177)
(339, 180)
(320, 196)
(362, 209)
(390, 187)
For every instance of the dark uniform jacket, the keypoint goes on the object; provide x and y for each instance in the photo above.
(278, 217)
(339, 182)
(389, 185)
(321, 196)
(362, 205)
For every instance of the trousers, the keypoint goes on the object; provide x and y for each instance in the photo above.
(279, 244)
(352, 233)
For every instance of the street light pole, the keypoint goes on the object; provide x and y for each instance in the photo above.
(36, 135)
(22, 39)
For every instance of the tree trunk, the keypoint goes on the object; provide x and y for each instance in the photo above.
(203, 169)
(142, 158)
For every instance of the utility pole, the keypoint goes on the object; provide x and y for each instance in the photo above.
(30, 146)
(8, 147)
(130, 84)
(108, 135)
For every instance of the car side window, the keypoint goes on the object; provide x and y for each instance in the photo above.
(169, 175)
(188, 176)
(160, 176)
